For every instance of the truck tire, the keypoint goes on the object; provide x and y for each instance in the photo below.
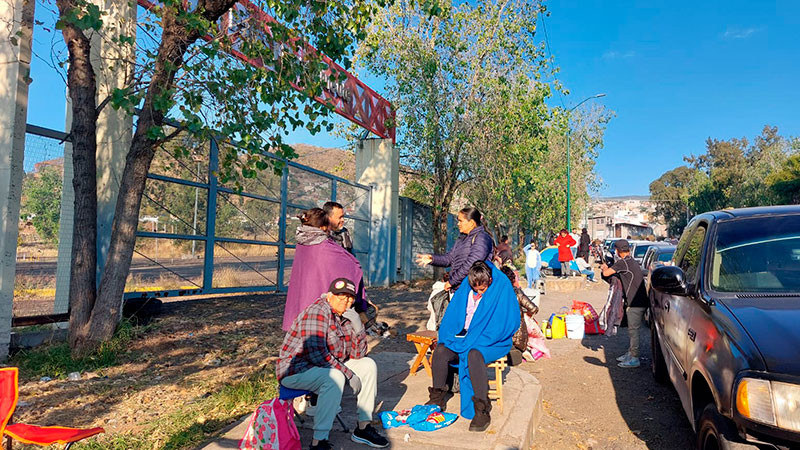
(715, 432)
(658, 367)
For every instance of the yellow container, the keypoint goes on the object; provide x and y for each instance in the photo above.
(558, 325)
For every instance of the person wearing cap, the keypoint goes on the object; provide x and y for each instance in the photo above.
(321, 353)
(635, 295)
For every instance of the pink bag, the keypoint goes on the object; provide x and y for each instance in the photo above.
(272, 427)
(536, 341)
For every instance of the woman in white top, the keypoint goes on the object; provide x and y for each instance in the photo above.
(533, 263)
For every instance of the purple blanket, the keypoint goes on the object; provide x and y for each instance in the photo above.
(314, 268)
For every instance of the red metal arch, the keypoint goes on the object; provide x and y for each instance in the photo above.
(349, 96)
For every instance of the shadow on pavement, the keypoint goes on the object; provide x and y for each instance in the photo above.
(651, 410)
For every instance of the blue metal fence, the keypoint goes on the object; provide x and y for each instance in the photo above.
(245, 241)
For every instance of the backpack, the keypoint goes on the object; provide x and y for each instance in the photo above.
(439, 303)
(272, 427)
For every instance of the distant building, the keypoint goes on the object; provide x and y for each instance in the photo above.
(604, 227)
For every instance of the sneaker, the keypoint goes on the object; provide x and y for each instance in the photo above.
(624, 357)
(369, 436)
(631, 363)
(321, 445)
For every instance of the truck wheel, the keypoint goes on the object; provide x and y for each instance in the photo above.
(715, 432)
(657, 365)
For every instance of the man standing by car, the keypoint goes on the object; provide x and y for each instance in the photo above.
(338, 232)
(630, 274)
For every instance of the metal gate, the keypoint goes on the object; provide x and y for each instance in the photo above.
(247, 243)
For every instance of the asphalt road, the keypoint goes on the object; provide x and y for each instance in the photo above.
(148, 271)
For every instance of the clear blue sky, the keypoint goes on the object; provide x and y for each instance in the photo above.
(675, 73)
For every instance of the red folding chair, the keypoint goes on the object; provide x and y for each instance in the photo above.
(32, 434)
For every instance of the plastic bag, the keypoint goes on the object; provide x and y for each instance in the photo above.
(420, 418)
(584, 309)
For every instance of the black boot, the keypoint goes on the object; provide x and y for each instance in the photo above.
(482, 418)
(437, 397)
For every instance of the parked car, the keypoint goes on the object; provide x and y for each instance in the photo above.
(608, 248)
(657, 256)
(639, 248)
(726, 327)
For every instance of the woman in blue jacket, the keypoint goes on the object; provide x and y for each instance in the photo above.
(474, 244)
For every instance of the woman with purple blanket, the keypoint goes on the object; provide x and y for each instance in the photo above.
(318, 261)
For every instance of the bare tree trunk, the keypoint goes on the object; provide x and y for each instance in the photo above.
(439, 235)
(82, 90)
(175, 41)
(106, 314)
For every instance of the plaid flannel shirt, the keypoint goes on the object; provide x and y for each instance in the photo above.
(320, 338)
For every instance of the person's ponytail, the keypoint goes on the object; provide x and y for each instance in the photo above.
(473, 214)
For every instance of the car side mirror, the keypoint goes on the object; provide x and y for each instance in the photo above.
(669, 279)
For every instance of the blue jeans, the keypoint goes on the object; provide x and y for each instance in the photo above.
(589, 273)
(532, 274)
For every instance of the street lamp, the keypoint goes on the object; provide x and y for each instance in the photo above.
(569, 134)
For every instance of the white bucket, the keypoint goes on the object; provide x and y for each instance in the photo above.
(575, 326)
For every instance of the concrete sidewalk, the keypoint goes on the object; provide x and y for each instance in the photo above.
(513, 429)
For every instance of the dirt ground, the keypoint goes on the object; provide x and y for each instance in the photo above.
(196, 345)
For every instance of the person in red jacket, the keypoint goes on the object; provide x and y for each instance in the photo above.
(564, 242)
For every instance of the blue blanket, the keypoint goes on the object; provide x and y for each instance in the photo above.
(493, 325)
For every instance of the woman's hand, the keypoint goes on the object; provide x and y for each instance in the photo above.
(424, 259)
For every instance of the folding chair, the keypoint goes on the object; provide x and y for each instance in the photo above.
(32, 434)
(285, 393)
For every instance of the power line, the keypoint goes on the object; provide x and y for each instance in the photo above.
(550, 53)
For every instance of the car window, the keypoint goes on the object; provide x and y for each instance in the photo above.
(760, 254)
(691, 259)
(665, 257)
(680, 248)
(640, 250)
(648, 257)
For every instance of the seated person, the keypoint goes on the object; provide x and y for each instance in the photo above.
(320, 353)
(526, 306)
(585, 269)
(477, 328)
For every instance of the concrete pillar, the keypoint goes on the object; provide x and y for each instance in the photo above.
(114, 127)
(114, 133)
(14, 80)
(378, 166)
(65, 226)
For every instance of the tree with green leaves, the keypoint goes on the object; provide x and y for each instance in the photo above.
(182, 70)
(41, 202)
(440, 70)
(670, 193)
(733, 173)
(785, 183)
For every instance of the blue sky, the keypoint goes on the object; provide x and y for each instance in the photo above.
(675, 73)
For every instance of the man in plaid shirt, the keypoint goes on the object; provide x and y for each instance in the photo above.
(320, 353)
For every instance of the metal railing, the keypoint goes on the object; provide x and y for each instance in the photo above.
(182, 246)
(300, 187)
